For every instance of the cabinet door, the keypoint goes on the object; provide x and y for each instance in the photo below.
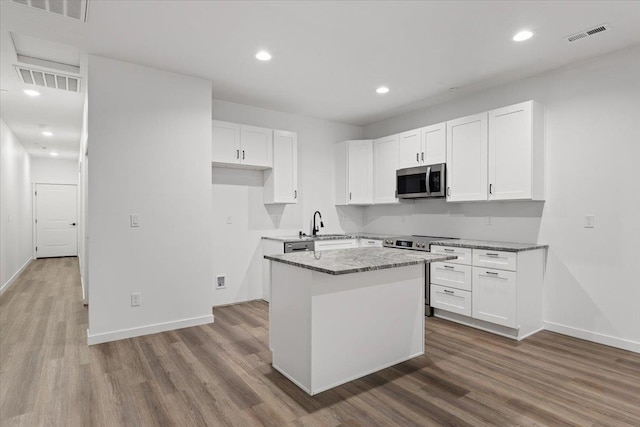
(494, 296)
(225, 142)
(410, 148)
(360, 173)
(434, 144)
(385, 165)
(510, 150)
(281, 182)
(467, 158)
(256, 146)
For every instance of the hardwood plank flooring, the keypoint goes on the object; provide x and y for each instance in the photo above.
(221, 374)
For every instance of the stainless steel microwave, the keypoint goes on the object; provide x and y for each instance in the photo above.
(421, 182)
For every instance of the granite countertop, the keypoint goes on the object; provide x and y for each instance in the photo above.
(296, 238)
(356, 260)
(490, 245)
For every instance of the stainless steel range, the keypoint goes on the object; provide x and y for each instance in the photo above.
(417, 243)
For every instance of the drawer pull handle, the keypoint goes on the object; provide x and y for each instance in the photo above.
(492, 273)
(449, 250)
(490, 254)
(449, 266)
(448, 291)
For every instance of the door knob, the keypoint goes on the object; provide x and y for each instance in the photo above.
(73, 223)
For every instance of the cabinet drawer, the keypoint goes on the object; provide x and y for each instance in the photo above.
(463, 254)
(451, 275)
(494, 259)
(450, 299)
(495, 296)
(327, 245)
(370, 243)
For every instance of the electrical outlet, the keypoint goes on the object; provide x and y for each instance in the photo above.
(229, 220)
(134, 220)
(589, 221)
(135, 299)
(489, 220)
(221, 282)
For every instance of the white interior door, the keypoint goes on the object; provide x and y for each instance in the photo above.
(56, 220)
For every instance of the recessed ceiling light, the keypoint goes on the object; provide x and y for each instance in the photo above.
(382, 89)
(263, 55)
(4, 90)
(453, 88)
(54, 154)
(523, 35)
(47, 133)
(32, 92)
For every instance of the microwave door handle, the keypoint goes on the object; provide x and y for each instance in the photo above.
(428, 183)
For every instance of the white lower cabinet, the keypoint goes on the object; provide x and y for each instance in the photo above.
(498, 291)
(369, 243)
(326, 245)
(494, 296)
(451, 299)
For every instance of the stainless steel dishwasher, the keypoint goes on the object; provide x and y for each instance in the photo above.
(306, 245)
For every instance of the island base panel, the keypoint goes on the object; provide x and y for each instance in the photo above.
(328, 330)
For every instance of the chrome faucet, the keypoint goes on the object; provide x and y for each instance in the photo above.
(315, 228)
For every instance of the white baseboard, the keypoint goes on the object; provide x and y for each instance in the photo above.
(15, 276)
(146, 330)
(593, 336)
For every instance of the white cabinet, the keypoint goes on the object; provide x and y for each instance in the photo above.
(256, 145)
(236, 145)
(369, 243)
(467, 158)
(498, 155)
(410, 147)
(451, 299)
(354, 172)
(225, 142)
(281, 182)
(494, 296)
(424, 146)
(452, 275)
(326, 245)
(385, 165)
(516, 152)
(434, 144)
(497, 291)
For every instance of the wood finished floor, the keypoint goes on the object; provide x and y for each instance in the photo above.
(220, 374)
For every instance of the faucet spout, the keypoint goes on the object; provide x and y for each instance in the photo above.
(316, 228)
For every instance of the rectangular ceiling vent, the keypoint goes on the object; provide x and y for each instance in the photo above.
(587, 33)
(76, 9)
(48, 79)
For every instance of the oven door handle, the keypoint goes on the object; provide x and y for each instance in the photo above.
(428, 183)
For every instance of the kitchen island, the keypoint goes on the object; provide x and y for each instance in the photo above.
(339, 315)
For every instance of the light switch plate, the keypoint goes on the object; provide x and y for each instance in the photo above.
(134, 220)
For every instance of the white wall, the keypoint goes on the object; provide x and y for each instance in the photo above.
(238, 193)
(46, 170)
(593, 154)
(15, 207)
(150, 133)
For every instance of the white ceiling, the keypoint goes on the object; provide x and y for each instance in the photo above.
(328, 57)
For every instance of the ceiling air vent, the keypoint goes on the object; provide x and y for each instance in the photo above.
(587, 33)
(76, 9)
(49, 79)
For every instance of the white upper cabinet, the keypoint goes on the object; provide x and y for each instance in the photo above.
(281, 182)
(467, 158)
(354, 172)
(225, 142)
(237, 145)
(410, 148)
(256, 146)
(434, 144)
(385, 165)
(516, 152)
